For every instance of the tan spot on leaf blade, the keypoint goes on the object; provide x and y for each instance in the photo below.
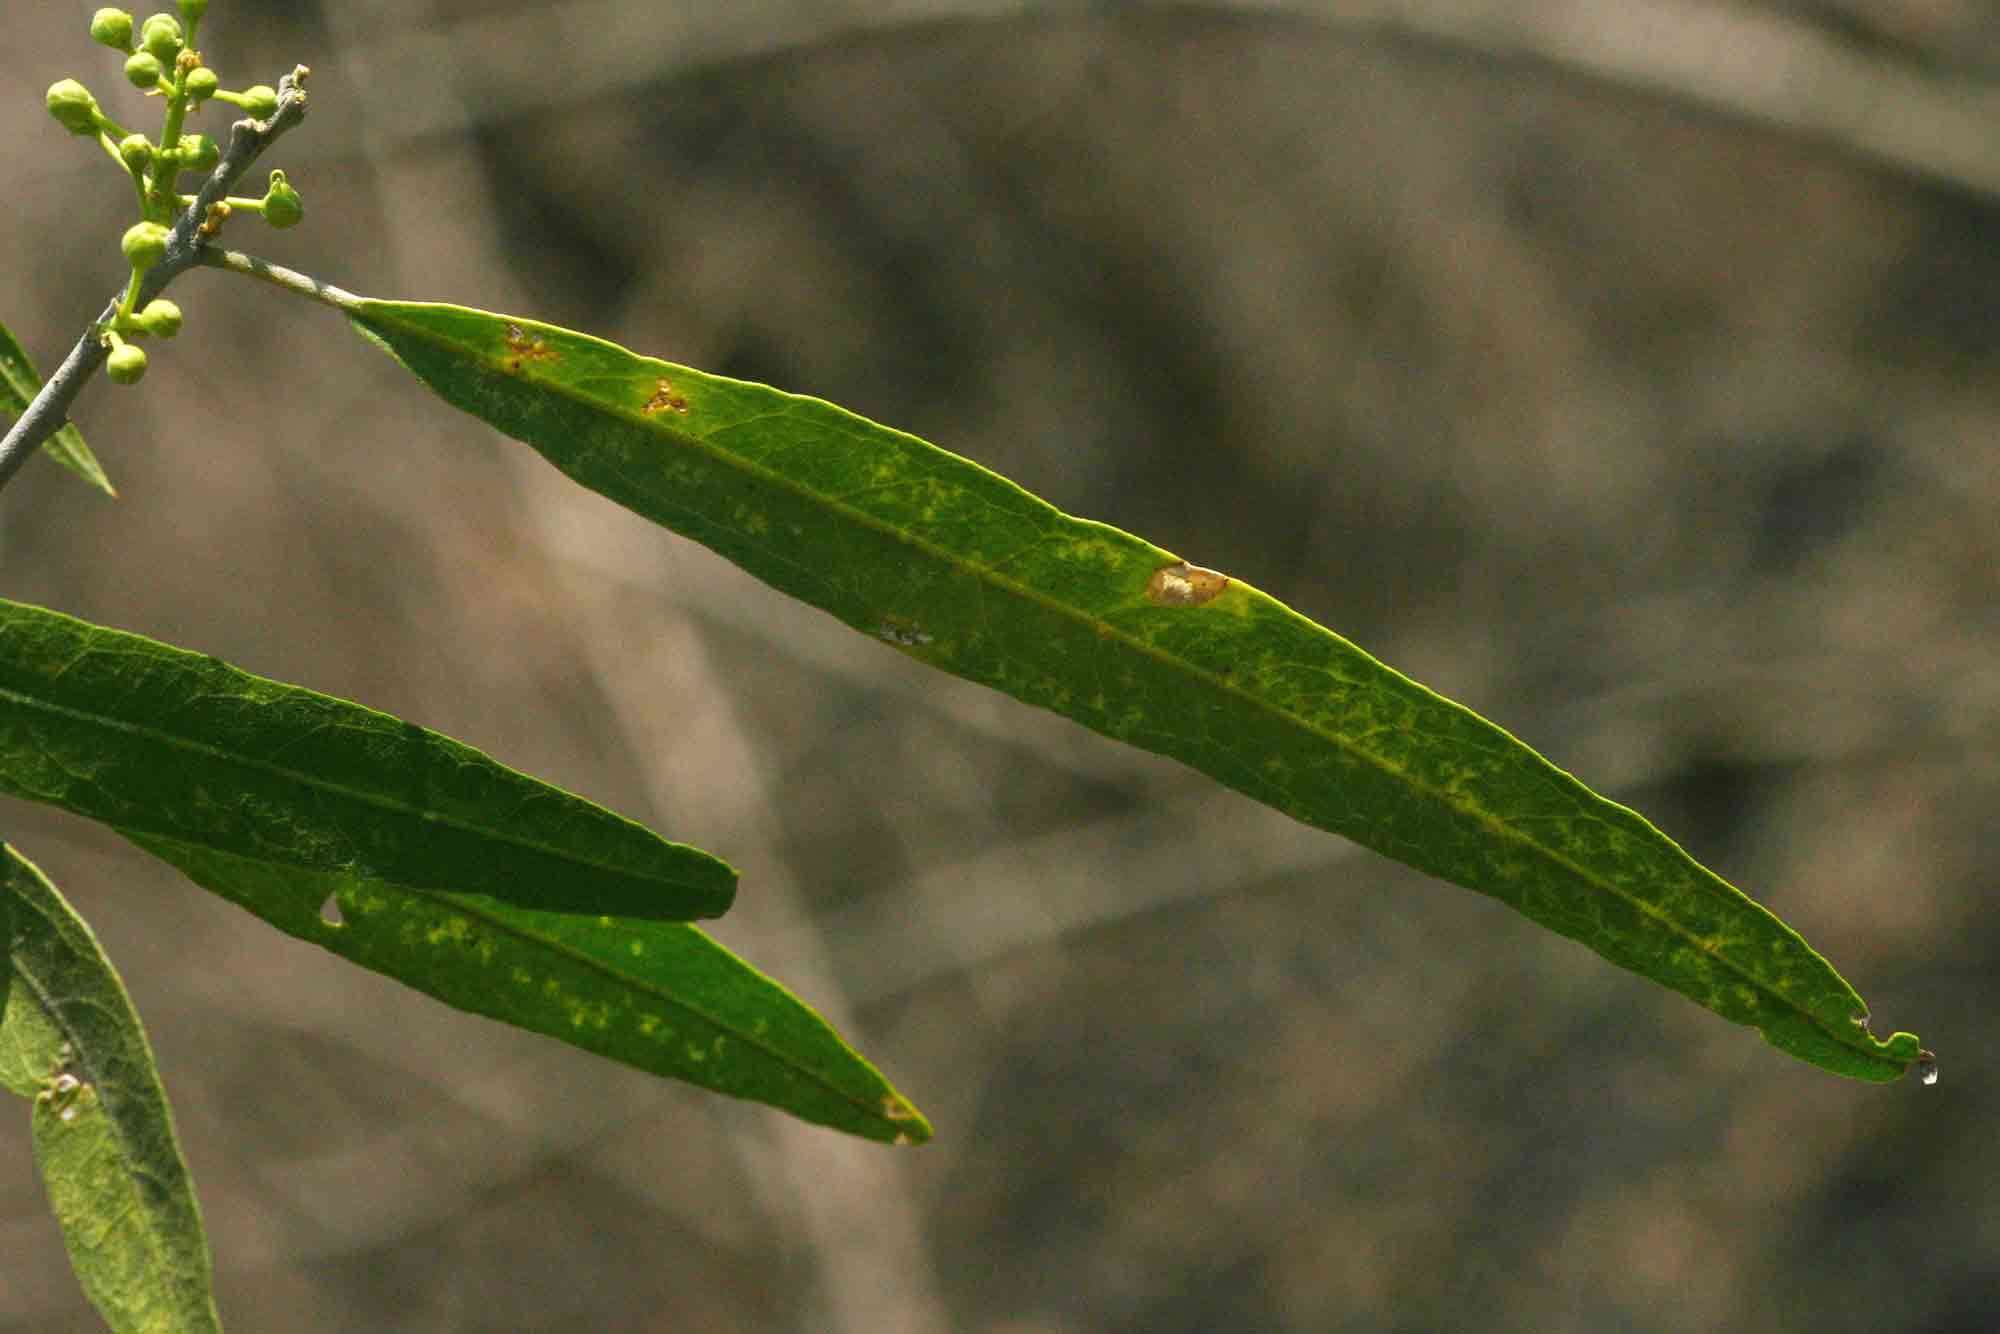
(523, 347)
(1184, 585)
(665, 399)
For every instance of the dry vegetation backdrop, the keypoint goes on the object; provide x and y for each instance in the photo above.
(1633, 381)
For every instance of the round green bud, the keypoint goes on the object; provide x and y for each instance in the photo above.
(161, 35)
(282, 205)
(136, 151)
(144, 243)
(143, 70)
(73, 106)
(192, 10)
(259, 101)
(199, 152)
(161, 318)
(112, 28)
(126, 363)
(202, 83)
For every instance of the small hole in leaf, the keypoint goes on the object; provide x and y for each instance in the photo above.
(329, 912)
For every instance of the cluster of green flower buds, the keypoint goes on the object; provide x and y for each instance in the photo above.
(160, 57)
(160, 35)
(126, 362)
(144, 244)
(157, 51)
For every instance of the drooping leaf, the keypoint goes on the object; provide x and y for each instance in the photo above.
(18, 386)
(71, 1042)
(419, 857)
(959, 568)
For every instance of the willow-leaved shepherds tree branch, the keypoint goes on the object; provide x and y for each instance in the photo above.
(961, 569)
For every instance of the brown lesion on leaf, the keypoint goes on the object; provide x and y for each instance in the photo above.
(1184, 585)
(524, 347)
(665, 399)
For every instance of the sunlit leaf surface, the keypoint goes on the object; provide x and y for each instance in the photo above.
(959, 568)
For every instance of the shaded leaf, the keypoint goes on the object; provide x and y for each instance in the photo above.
(18, 386)
(104, 1138)
(471, 882)
(963, 570)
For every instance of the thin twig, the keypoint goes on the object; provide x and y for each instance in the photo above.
(304, 284)
(247, 141)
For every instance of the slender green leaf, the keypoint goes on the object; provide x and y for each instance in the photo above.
(18, 385)
(104, 1137)
(963, 570)
(417, 856)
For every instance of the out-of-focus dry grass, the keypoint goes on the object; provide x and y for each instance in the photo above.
(1664, 440)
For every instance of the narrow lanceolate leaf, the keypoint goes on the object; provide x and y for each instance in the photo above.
(963, 570)
(18, 385)
(420, 858)
(71, 1042)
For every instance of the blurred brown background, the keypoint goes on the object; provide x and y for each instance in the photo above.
(1626, 371)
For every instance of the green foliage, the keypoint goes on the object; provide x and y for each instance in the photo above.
(963, 570)
(71, 1043)
(18, 385)
(476, 884)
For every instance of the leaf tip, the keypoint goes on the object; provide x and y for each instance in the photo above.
(912, 1127)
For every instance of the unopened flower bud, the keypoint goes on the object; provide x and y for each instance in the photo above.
(113, 28)
(202, 83)
(161, 318)
(144, 243)
(126, 363)
(136, 151)
(199, 152)
(73, 106)
(260, 100)
(282, 205)
(143, 70)
(161, 35)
